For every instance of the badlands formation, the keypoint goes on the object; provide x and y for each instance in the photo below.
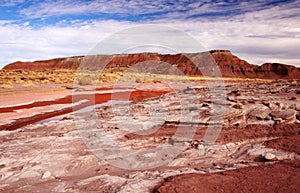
(150, 132)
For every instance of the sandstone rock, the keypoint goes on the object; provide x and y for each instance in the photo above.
(274, 91)
(189, 90)
(46, 175)
(234, 116)
(266, 103)
(231, 99)
(142, 118)
(267, 118)
(235, 92)
(297, 107)
(221, 102)
(259, 112)
(284, 114)
(277, 70)
(229, 64)
(272, 105)
(270, 157)
(172, 119)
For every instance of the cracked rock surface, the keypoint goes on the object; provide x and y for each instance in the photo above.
(165, 143)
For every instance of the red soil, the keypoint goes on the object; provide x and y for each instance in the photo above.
(279, 177)
(17, 97)
(237, 133)
(287, 143)
(233, 134)
(136, 95)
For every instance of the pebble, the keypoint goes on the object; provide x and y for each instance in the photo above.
(46, 175)
(270, 157)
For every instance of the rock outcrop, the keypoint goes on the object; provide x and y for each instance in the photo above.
(171, 135)
(229, 64)
(269, 70)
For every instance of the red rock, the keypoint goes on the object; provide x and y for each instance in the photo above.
(229, 64)
(270, 70)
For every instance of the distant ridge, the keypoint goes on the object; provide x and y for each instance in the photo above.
(229, 64)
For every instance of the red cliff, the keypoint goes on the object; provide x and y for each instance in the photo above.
(229, 64)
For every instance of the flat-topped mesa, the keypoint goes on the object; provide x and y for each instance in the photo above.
(229, 64)
(277, 70)
(52, 64)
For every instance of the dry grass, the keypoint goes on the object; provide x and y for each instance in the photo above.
(30, 78)
(294, 83)
(30, 85)
(274, 91)
(6, 86)
(238, 106)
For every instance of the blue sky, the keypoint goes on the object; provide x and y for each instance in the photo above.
(258, 31)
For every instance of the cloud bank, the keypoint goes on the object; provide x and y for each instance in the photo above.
(258, 31)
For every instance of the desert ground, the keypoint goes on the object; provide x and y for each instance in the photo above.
(44, 148)
(63, 130)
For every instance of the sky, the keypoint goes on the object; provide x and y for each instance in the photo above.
(258, 31)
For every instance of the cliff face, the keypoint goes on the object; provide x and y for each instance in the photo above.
(229, 64)
(57, 63)
(269, 70)
(232, 66)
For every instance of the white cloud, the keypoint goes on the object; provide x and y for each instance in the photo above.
(27, 44)
(267, 35)
(4, 22)
(7, 3)
(256, 41)
(159, 9)
(54, 8)
(26, 23)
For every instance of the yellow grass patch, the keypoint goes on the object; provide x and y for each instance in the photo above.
(33, 78)
(7, 86)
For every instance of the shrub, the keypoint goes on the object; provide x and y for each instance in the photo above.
(238, 106)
